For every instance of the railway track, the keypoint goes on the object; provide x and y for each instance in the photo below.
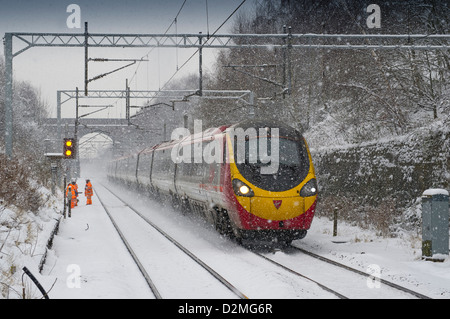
(141, 264)
(288, 267)
(361, 273)
(328, 289)
(364, 275)
(234, 260)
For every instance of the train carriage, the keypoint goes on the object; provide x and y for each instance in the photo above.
(254, 180)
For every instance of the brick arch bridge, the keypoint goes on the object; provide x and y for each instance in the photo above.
(120, 131)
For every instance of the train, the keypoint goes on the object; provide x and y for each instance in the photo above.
(253, 180)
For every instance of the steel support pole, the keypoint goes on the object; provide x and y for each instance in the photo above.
(58, 116)
(284, 49)
(77, 144)
(8, 46)
(86, 59)
(127, 102)
(200, 66)
(289, 62)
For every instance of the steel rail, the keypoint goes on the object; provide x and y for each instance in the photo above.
(383, 281)
(340, 296)
(132, 253)
(184, 249)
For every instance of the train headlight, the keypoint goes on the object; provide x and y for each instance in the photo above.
(241, 189)
(310, 188)
(244, 190)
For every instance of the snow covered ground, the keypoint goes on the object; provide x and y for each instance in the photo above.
(397, 259)
(88, 260)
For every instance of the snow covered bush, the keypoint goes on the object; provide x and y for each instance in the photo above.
(15, 187)
(26, 206)
(23, 238)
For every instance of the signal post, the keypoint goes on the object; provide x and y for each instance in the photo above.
(55, 162)
(69, 152)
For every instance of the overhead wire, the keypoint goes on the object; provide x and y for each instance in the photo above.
(174, 21)
(204, 43)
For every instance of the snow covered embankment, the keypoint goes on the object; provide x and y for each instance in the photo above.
(383, 178)
(23, 240)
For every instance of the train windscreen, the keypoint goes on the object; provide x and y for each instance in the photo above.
(274, 164)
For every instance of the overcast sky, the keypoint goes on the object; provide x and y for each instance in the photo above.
(52, 69)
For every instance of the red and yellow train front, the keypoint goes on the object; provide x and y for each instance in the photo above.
(281, 202)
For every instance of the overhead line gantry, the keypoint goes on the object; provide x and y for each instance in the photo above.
(286, 41)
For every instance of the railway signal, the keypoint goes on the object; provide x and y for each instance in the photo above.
(69, 148)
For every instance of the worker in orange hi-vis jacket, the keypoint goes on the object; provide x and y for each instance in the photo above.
(71, 195)
(88, 192)
(75, 188)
